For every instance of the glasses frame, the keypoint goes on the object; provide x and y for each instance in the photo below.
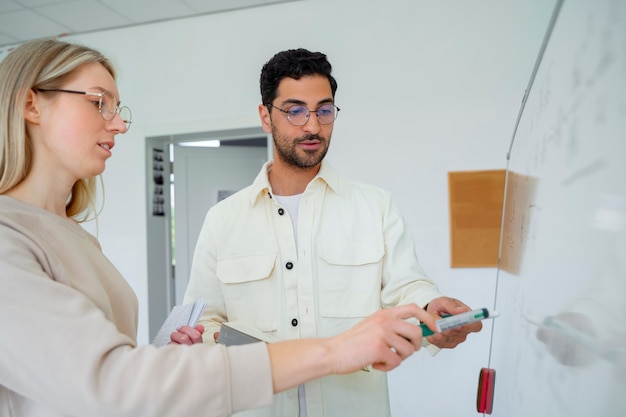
(308, 115)
(100, 95)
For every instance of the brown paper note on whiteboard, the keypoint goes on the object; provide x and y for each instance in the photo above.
(476, 199)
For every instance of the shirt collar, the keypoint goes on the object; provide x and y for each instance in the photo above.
(261, 185)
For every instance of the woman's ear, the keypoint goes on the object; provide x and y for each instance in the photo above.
(31, 110)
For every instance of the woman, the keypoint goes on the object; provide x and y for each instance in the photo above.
(69, 319)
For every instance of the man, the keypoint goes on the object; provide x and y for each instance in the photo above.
(304, 252)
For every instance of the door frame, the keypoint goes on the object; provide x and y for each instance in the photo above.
(160, 230)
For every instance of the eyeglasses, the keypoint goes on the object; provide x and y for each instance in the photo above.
(106, 104)
(298, 115)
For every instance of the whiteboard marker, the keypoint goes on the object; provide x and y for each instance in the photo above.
(458, 320)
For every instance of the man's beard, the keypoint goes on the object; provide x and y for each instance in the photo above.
(290, 155)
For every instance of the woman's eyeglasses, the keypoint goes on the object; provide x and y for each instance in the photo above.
(106, 104)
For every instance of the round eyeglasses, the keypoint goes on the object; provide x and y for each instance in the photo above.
(298, 115)
(106, 104)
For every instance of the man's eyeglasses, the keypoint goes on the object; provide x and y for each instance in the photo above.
(298, 115)
(106, 104)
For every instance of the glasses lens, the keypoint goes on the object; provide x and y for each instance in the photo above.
(107, 105)
(298, 115)
(126, 116)
(326, 114)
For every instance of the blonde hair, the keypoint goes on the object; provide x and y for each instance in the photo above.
(44, 64)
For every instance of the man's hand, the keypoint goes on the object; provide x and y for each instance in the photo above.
(450, 338)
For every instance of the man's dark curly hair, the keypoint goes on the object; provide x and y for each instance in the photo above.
(293, 63)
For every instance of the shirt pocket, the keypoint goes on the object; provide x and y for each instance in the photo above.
(350, 277)
(249, 290)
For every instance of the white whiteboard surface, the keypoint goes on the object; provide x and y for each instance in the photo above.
(563, 249)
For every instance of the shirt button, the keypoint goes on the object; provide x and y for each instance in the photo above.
(289, 265)
(281, 211)
(294, 322)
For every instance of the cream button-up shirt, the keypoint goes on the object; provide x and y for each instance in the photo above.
(353, 257)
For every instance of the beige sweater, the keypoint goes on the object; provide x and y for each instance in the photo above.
(68, 323)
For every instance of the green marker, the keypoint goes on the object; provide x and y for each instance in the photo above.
(450, 322)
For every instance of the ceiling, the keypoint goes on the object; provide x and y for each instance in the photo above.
(24, 20)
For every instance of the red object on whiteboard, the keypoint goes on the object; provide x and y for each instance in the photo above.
(486, 383)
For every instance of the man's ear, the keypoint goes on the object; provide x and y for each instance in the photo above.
(31, 110)
(266, 121)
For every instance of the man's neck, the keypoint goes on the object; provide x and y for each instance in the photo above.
(289, 180)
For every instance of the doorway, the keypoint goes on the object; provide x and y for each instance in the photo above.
(197, 171)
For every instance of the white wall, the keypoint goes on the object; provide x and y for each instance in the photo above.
(425, 87)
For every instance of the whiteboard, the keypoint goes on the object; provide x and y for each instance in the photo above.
(559, 347)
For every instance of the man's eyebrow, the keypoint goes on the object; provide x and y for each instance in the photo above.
(295, 101)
